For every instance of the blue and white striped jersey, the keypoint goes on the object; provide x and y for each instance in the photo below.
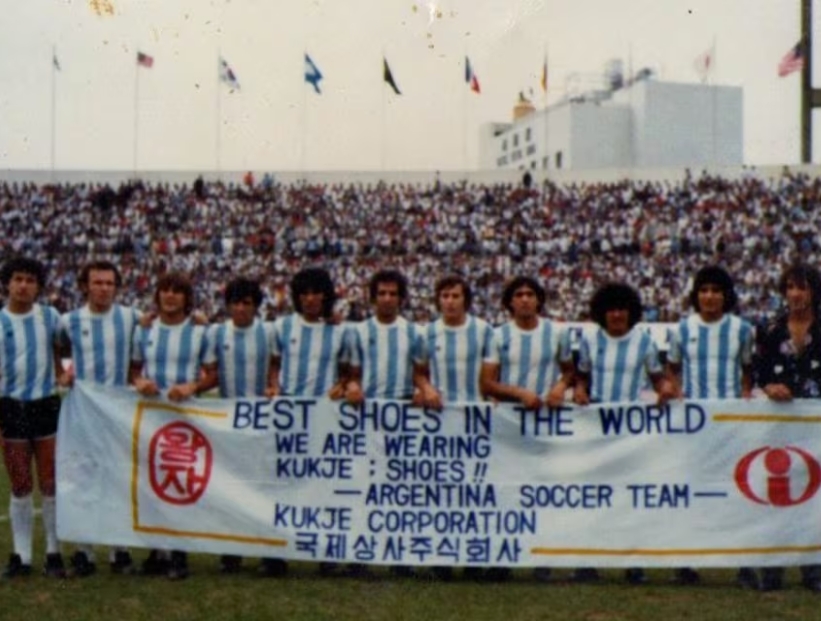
(171, 354)
(101, 343)
(310, 354)
(386, 354)
(529, 358)
(27, 366)
(711, 355)
(619, 367)
(455, 357)
(242, 356)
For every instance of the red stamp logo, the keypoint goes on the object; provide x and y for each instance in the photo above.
(179, 462)
(785, 476)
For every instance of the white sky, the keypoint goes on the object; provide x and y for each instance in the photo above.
(276, 122)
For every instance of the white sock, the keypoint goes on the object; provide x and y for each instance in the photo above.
(88, 550)
(50, 524)
(21, 510)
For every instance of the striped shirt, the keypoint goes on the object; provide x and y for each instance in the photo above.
(619, 367)
(455, 356)
(243, 357)
(170, 355)
(101, 343)
(529, 358)
(386, 354)
(711, 355)
(309, 353)
(27, 366)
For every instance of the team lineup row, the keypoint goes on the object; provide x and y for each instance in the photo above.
(458, 357)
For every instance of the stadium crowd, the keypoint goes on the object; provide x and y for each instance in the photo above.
(573, 236)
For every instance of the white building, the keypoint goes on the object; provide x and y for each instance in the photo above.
(647, 124)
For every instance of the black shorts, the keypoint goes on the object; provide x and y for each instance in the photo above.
(29, 420)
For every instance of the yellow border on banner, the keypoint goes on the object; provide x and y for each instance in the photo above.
(135, 454)
(764, 418)
(672, 551)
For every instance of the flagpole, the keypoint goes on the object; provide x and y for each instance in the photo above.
(546, 113)
(465, 117)
(713, 95)
(53, 107)
(136, 114)
(219, 120)
(303, 143)
(384, 121)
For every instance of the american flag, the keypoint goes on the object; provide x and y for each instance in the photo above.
(792, 61)
(145, 60)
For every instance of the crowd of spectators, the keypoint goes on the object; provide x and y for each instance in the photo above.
(653, 235)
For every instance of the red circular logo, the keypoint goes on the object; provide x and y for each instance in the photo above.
(179, 461)
(785, 476)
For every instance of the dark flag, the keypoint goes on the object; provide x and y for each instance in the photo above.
(388, 77)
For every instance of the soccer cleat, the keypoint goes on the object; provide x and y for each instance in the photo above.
(635, 576)
(686, 576)
(498, 574)
(747, 579)
(122, 563)
(402, 571)
(16, 568)
(81, 566)
(585, 575)
(327, 569)
(358, 570)
(230, 564)
(154, 564)
(178, 567)
(272, 568)
(442, 573)
(54, 567)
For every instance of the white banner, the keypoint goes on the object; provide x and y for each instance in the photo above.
(718, 483)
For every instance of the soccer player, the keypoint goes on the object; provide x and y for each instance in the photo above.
(529, 370)
(616, 361)
(386, 352)
(170, 356)
(460, 358)
(29, 409)
(710, 357)
(459, 347)
(101, 334)
(788, 366)
(309, 357)
(241, 349)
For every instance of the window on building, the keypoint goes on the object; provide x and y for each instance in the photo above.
(528, 134)
(504, 144)
(545, 163)
(558, 159)
(515, 140)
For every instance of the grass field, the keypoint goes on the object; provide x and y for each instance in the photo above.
(303, 596)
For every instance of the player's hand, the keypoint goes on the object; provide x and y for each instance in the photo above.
(556, 395)
(66, 378)
(666, 391)
(337, 391)
(199, 318)
(530, 400)
(272, 391)
(353, 393)
(431, 398)
(778, 392)
(181, 392)
(146, 387)
(147, 319)
(580, 396)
